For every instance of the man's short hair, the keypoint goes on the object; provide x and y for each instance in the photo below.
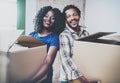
(72, 6)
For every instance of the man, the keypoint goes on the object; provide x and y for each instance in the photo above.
(73, 31)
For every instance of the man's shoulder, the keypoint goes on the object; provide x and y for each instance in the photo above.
(65, 32)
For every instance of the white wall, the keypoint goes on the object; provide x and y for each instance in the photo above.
(32, 6)
(8, 14)
(103, 15)
(31, 9)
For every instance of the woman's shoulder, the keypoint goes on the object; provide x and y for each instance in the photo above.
(32, 33)
(54, 37)
(54, 34)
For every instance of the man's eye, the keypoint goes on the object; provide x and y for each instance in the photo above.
(75, 14)
(68, 16)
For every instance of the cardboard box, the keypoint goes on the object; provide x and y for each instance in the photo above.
(7, 39)
(20, 61)
(98, 58)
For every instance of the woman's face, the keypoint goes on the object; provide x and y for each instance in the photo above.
(48, 19)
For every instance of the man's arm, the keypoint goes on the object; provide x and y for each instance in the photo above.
(67, 62)
(70, 67)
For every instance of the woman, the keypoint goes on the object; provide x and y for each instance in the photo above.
(47, 29)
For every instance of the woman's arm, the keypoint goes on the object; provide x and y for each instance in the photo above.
(46, 64)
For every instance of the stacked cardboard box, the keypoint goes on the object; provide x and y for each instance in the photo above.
(98, 58)
(19, 61)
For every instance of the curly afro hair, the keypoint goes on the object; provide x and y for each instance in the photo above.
(39, 18)
(60, 21)
(57, 27)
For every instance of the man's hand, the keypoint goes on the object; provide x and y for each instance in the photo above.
(85, 80)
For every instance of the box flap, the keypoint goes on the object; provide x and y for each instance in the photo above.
(29, 41)
(8, 38)
(99, 37)
(115, 38)
(95, 36)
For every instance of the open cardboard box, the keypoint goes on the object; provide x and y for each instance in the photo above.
(23, 55)
(98, 58)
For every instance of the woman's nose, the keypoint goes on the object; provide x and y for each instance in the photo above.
(49, 19)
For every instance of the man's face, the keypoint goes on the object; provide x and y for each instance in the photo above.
(72, 18)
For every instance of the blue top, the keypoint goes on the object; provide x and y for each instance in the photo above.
(51, 39)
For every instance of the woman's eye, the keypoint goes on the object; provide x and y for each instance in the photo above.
(53, 18)
(46, 16)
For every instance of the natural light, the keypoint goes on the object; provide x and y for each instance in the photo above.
(8, 14)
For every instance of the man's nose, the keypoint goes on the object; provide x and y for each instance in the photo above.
(72, 17)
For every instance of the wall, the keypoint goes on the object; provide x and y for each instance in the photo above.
(31, 8)
(8, 14)
(103, 15)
